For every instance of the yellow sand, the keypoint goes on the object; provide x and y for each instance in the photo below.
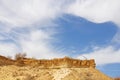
(12, 72)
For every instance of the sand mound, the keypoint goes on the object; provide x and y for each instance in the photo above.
(6, 61)
(55, 69)
(12, 72)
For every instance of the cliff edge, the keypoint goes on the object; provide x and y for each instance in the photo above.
(55, 69)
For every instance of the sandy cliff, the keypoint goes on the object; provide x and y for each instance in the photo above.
(65, 62)
(54, 69)
(12, 72)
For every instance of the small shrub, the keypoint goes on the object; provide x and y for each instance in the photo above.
(20, 56)
(9, 57)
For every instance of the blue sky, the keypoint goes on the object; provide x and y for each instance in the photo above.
(82, 33)
(52, 28)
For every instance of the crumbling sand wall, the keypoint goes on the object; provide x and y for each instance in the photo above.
(6, 61)
(65, 62)
(61, 63)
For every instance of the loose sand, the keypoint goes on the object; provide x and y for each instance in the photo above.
(12, 72)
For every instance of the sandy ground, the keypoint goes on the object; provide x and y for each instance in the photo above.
(35, 73)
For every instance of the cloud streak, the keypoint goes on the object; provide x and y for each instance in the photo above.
(25, 13)
(104, 55)
(30, 25)
(100, 11)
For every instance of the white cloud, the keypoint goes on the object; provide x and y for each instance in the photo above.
(105, 55)
(100, 11)
(38, 45)
(8, 49)
(35, 17)
(27, 12)
(2, 37)
(97, 11)
(116, 38)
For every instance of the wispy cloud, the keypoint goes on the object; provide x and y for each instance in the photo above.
(104, 55)
(25, 13)
(100, 11)
(8, 48)
(29, 25)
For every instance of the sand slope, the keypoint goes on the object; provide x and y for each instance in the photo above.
(12, 72)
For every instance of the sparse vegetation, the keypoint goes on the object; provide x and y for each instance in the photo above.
(9, 57)
(40, 72)
(20, 56)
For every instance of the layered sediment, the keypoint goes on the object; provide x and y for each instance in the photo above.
(54, 69)
(65, 62)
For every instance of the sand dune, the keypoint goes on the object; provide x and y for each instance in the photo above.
(12, 72)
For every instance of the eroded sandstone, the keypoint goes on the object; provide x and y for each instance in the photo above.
(65, 62)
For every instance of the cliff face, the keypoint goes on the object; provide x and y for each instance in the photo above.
(6, 61)
(65, 62)
(55, 69)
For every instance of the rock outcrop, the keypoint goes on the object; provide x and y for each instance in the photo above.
(55, 69)
(6, 61)
(65, 62)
